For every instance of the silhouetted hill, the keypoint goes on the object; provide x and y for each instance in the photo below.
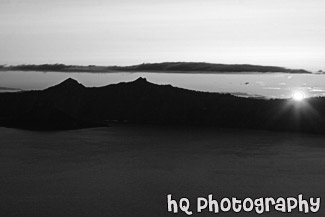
(67, 86)
(184, 67)
(71, 105)
(46, 117)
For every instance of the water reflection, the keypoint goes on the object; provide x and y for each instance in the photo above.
(275, 85)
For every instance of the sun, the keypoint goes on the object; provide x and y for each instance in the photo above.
(298, 96)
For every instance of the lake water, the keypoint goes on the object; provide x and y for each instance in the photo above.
(274, 85)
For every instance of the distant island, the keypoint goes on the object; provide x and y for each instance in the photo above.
(165, 67)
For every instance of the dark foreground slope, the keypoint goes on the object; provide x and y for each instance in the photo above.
(70, 105)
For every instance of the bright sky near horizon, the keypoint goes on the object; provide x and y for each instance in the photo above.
(289, 33)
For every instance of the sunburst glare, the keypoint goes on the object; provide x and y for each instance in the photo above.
(298, 96)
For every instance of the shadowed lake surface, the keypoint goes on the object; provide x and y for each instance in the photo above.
(275, 85)
(127, 170)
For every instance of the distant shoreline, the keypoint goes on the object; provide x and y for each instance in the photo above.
(152, 72)
(9, 89)
(166, 67)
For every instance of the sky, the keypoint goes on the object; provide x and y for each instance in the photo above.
(288, 33)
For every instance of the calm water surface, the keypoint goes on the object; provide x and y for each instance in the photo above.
(276, 85)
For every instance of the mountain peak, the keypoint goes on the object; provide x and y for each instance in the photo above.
(141, 80)
(69, 83)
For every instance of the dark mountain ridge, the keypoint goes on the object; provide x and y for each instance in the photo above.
(70, 105)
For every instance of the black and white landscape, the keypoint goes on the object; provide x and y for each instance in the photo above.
(121, 148)
(109, 106)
